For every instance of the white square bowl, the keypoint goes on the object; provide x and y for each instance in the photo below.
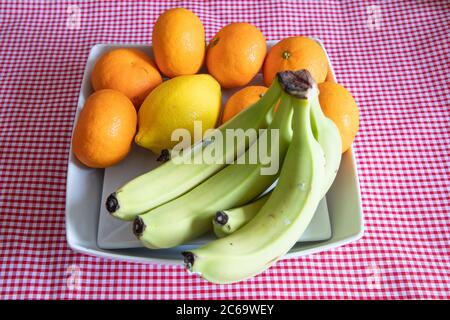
(84, 200)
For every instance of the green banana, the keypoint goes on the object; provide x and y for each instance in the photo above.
(327, 134)
(189, 216)
(228, 221)
(175, 177)
(287, 212)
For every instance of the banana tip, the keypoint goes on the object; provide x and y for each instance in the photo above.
(112, 204)
(164, 156)
(221, 218)
(189, 259)
(138, 227)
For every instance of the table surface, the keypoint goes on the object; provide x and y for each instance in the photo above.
(393, 57)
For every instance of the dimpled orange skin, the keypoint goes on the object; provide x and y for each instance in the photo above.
(236, 54)
(296, 53)
(178, 42)
(241, 100)
(129, 71)
(105, 129)
(339, 105)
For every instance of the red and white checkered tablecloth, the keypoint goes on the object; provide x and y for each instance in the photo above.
(393, 57)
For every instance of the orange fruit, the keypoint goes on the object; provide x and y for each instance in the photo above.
(296, 53)
(178, 42)
(241, 100)
(235, 54)
(129, 71)
(339, 105)
(105, 129)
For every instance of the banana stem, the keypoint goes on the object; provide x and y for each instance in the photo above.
(299, 84)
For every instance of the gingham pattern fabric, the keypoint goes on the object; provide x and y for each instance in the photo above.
(393, 57)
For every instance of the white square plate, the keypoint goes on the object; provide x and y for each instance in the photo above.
(91, 230)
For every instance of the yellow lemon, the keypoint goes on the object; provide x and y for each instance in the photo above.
(176, 104)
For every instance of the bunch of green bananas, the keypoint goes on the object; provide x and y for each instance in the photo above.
(180, 200)
(178, 176)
